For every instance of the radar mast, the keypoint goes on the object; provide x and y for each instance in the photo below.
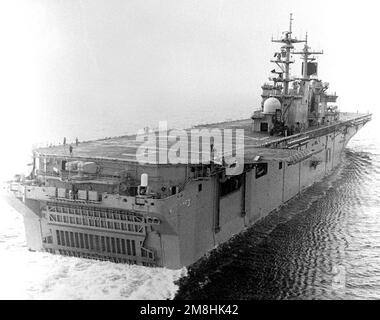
(307, 58)
(283, 60)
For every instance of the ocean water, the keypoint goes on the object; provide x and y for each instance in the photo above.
(323, 245)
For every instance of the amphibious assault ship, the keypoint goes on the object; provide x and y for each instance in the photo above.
(97, 200)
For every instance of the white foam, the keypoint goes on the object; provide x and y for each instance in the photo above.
(34, 275)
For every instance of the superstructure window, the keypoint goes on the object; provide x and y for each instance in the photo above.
(264, 127)
(280, 165)
(261, 170)
(231, 185)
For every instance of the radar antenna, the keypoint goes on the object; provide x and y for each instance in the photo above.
(307, 58)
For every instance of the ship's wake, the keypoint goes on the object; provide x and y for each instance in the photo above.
(36, 275)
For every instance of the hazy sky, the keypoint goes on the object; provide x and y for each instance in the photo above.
(71, 66)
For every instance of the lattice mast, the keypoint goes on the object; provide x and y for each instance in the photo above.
(284, 57)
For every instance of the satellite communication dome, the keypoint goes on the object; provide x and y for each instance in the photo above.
(271, 105)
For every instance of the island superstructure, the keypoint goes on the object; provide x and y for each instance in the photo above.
(98, 201)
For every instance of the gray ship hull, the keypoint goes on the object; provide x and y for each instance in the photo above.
(178, 229)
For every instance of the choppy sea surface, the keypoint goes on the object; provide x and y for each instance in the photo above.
(323, 245)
